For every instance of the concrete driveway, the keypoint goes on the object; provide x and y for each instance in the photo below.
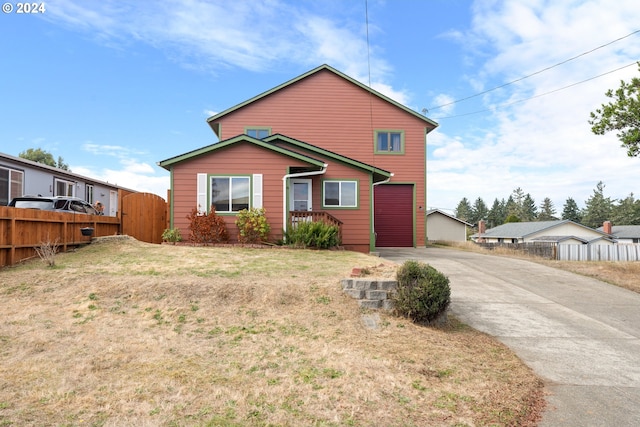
(582, 336)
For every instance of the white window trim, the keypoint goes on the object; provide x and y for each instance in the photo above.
(340, 182)
(231, 178)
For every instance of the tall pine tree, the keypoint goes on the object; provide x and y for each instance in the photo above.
(547, 211)
(571, 211)
(598, 208)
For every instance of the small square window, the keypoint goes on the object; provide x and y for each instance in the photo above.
(389, 142)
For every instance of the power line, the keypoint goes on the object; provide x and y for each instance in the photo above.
(537, 96)
(535, 73)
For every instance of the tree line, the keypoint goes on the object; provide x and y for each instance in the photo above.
(521, 207)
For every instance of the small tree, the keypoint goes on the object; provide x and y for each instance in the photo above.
(622, 115)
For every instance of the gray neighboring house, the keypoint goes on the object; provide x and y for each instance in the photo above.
(19, 177)
(560, 232)
(623, 234)
(445, 227)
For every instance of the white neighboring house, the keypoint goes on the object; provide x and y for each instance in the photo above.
(20, 177)
(444, 227)
(560, 232)
(623, 234)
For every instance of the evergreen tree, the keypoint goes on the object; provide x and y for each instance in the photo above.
(511, 208)
(547, 211)
(626, 212)
(529, 208)
(621, 115)
(479, 211)
(571, 211)
(497, 214)
(463, 211)
(597, 208)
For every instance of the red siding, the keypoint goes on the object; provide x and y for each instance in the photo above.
(328, 111)
(246, 159)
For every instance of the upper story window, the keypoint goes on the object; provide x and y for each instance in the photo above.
(230, 193)
(389, 142)
(11, 185)
(340, 194)
(258, 132)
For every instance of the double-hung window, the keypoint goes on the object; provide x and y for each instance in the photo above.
(230, 193)
(389, 142)
(11, 185)
(258, 132)
(340, 194)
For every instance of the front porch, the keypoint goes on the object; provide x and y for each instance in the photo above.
(315, 216)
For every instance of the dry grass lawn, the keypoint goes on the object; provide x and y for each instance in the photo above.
(124, 333)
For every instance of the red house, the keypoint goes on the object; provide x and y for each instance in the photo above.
(322, 145)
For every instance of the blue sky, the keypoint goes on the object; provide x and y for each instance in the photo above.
(115, 86)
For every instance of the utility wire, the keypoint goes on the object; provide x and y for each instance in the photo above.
(536, 96)
(533, 74)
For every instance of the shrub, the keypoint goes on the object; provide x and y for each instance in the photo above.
(172, 235)
(207, 227)
(313, 234)
(47, 251)
(423, 292)
(252, 226)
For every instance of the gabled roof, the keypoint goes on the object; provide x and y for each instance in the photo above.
(212, 120)
(625, 231)
(515, 230)
(235, 140)
(433, 211)
(270, 143)
(379, 174)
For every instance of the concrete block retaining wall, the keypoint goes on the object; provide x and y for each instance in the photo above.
(370, 293)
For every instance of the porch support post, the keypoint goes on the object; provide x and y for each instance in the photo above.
(284, 192)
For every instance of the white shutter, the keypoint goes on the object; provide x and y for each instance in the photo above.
(201, 193)
(257, 190)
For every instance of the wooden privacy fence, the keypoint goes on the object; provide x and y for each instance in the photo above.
(144, 216)
(23, 230)
(619, 252)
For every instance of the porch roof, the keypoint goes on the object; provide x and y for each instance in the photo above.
(166, 164)
(275, 143)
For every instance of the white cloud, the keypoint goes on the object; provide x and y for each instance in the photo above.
(256, 36)
(543, 145)
(133, 173)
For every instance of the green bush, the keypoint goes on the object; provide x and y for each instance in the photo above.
(252, 226)
(313, 234)
(423, 292)
(172, 235)
(207, 227)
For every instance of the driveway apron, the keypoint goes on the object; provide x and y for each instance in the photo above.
(581, 335)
